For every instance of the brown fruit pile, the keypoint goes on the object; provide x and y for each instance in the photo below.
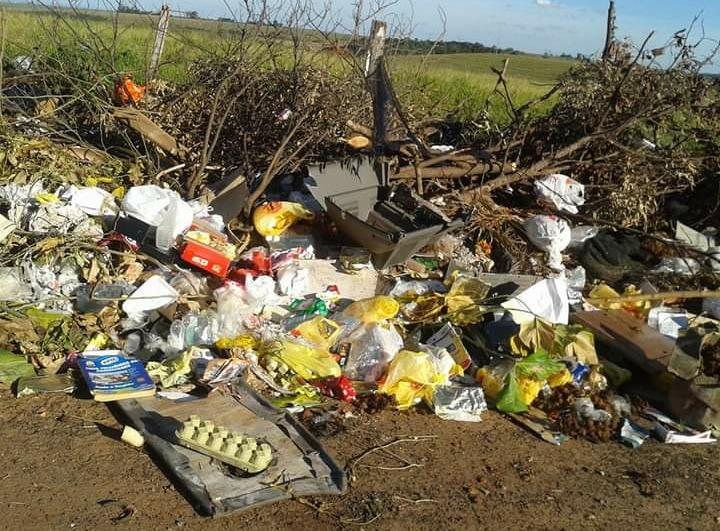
(711, 360)
(561, 408)
(374, 403)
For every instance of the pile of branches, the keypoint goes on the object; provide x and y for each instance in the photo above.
(233, 114)
(640, 137)
(635, 136)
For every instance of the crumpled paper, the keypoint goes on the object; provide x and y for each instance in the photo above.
(464, 404)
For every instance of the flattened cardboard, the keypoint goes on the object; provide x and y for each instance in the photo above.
(301, 467)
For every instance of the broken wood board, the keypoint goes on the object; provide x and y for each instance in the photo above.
(144, 126)
(230, 196)
(300, 466)
(639, 344)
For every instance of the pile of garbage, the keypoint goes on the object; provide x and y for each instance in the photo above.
(346, 291)
(159, 280)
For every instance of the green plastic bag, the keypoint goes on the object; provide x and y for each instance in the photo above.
(13, 367)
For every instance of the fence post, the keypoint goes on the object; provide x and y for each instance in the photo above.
(160, 36)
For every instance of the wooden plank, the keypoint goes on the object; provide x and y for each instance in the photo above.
(643, 346)
(143, 125)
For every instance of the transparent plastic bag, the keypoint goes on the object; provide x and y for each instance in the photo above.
(194, 329)
(231, 309)
(372, 348)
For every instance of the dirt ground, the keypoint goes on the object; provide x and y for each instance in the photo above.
(64, 468)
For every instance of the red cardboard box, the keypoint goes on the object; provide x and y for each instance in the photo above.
(206, 258)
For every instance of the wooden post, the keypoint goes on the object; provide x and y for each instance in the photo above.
(610, 32)
(377, 84)
(160, 36)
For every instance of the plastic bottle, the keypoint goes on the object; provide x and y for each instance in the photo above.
(132, 343)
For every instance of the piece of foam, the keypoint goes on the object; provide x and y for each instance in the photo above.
(225, 445)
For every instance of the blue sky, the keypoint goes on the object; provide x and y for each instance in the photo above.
(555, 26)
(536, 26)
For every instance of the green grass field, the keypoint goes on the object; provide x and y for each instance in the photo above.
(457, 84)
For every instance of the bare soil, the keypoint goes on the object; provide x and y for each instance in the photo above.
(63, 467)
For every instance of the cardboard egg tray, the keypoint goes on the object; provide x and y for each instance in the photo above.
(224, 445)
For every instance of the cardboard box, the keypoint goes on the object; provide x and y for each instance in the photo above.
(206, 258)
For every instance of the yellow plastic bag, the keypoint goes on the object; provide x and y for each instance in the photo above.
(244, 342)
(171, 372)
(559, 379)
(272, 219)
(602, 291)
(321, 332)
(465, 300)
(374, 309)
(310, 363)
(529, 389)
(412, 377)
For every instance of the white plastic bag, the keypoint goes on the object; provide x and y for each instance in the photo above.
(13, 287)
(154, 294)
(561, 191)
(293, 280)
(160, 208)
(147, 203)
(231, 309)
(550, 234)
(372, 348)
(548, 299)
(259, 292)
(93, 201)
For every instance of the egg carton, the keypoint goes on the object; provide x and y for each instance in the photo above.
(225, 445)
(279, 372)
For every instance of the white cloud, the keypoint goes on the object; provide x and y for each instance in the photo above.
(546, 3)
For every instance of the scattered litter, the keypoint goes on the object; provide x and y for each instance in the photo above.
(132, 437)
(633, 435)
(465, 404)
(226, 298)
